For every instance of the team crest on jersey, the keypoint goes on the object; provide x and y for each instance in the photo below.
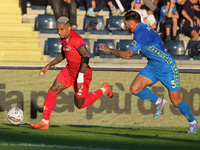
(134, 43)
(67, 40)
(66, 48)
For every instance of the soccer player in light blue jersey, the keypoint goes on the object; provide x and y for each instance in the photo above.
(161, 67)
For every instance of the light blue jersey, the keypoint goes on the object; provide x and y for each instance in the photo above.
(164, 11)
(161, 65)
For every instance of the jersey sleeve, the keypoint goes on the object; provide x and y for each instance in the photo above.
(145, 14)
(174, 10)
(139, 40)
(163, 11)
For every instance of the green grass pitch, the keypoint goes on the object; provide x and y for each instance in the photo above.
(82, 137)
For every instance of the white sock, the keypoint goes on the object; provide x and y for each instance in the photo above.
(158, 100)
(193, 122)
(45, 121)
(25, 16)
(112, 8)
(48, 7)
(103, 90)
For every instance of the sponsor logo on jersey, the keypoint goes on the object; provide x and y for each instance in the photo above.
(66, 48)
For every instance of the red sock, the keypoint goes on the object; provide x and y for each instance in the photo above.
(49, 104)
(92, 97)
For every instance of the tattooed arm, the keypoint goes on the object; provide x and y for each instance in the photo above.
(85, 58)
(84, 64)
(57, 60)
(122, 54)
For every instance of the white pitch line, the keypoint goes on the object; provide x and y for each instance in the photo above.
(54, 146)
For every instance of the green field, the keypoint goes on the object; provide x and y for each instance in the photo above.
(76, 137)
(123, 122)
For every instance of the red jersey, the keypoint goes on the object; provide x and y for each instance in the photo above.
(70, 47)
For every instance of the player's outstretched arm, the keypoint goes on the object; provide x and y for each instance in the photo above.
(57, 60)
(122, 54)
(84, 64)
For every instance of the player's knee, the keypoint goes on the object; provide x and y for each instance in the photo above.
(195, 35)
(174, 20)
(134, 90)
(79, 102)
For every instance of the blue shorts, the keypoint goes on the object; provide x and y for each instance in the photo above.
(170, 77)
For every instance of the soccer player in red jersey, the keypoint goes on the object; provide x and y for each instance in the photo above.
(76, 73)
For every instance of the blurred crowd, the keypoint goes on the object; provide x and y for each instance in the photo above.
(167, 17)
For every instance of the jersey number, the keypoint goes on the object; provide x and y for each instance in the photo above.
(173, 84)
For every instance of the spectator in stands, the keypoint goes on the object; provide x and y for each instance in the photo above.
(25, 18)
(94, 6)
(145, 17)
(118, 7)
(187, 22)
(66, 8)
(197, 9)
(151, 4)
(80, 3)
(179, 7)
(49, 8)
(169, 18)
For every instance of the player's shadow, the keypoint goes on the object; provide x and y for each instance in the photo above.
(106, 127)
(142, 137)
(126, 128)
(96, 126)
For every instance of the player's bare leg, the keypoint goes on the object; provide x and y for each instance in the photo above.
(49, 104)
(79, 101)
(138, 88)
(175, 97)
(139, 83)
(92, 97)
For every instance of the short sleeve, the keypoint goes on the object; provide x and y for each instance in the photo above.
(78, 41)
(139, 40)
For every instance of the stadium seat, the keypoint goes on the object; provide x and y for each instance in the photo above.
(45, 24)
(109, 42)
(116, 25)
(95, 25)
(88, 47)
(106, 8)
(52, 47)
(82, 8)
(123, 45)
(80, 31)
(177, 49)
(121, 32)
(35, 7)
(192, 44)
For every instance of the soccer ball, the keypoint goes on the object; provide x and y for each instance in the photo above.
(15, 116)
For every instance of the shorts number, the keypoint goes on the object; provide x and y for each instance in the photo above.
(173, 84)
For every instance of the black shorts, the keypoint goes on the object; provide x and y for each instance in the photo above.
(166, 23)
(187, 29)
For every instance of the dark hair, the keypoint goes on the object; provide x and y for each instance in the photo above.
(132, 15)
(166, 1)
